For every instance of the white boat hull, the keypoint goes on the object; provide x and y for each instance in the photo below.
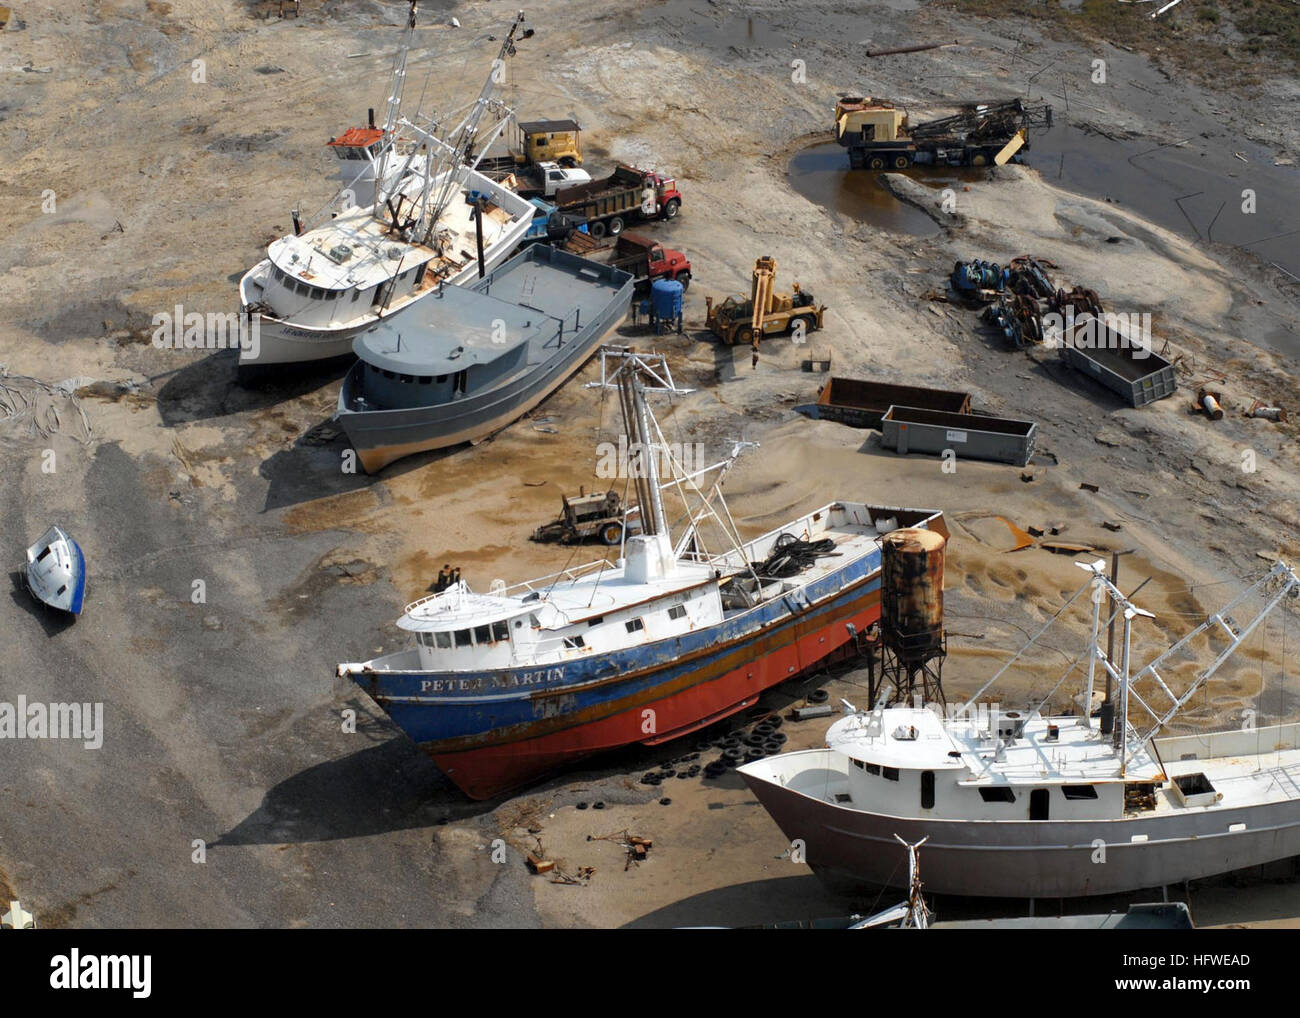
(284, 343)
(1013, 858)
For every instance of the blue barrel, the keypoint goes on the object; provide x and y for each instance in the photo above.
(666, 299)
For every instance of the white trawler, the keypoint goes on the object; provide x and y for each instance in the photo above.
(403, 223)
(1018, 804)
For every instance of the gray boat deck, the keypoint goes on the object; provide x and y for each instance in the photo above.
(541, 297)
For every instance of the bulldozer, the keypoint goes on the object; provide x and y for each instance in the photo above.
(765, 313)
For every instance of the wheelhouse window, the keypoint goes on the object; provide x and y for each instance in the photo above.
(463, 638)
(482, 634)
(1079, 791)
(596, 621)
(677, 611)
(999, 794)
(573, 642)
(442, 640)
(500, 630)
(634, 625)
(889, 773)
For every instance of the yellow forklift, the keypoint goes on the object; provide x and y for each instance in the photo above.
(765, 313)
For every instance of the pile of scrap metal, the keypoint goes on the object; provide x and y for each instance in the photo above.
(586, 516)
(1017, 317)
(979, 281)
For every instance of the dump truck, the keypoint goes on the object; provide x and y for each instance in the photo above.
(598, 515)
(880, 136)
(649, 260)
(765, 313)
(626, 195)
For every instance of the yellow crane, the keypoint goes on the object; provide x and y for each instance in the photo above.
(765, 313)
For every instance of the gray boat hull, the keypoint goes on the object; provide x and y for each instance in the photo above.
(381, 436)
(1030, 859)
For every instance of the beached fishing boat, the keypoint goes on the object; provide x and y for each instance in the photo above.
(413, 214)
(470, 360)
(1015, 803)
(505, 686)
(56, 571)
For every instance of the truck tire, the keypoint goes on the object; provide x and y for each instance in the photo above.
(597, 229)
(809, 323)
(611, 534)
(902, 162)
(979, 159)
(856, 159)
(685, 279)
(616, 226)
(671, 208)
(745, 335)
(876, 163)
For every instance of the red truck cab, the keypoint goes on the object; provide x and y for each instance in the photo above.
(667, 197)
(649, 260)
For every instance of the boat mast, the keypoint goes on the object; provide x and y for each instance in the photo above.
(464, 138)
(394, 106)
(636, 423)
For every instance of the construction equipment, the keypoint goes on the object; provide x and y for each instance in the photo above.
(878, 135)
(587, 516)
(737, 320)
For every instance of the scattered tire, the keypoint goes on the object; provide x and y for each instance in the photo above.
(818, 696)
(667, 772)
(754, 739)
(778, 737)
(731, 741)
(733, 753)
(776, 721)
(755, 753)
(597, 805)
(772, 746)
(665, 801)
(582, 805)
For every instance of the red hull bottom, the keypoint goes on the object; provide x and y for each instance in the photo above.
(491, 770)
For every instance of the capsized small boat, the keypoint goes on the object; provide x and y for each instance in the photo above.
(56, 571)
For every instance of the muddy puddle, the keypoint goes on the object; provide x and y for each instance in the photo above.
(821, 174)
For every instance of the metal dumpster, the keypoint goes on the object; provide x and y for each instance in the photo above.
(861, 403)
(1138, 374)
(974, 436)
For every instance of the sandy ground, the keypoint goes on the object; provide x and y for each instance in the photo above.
(224, 717)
